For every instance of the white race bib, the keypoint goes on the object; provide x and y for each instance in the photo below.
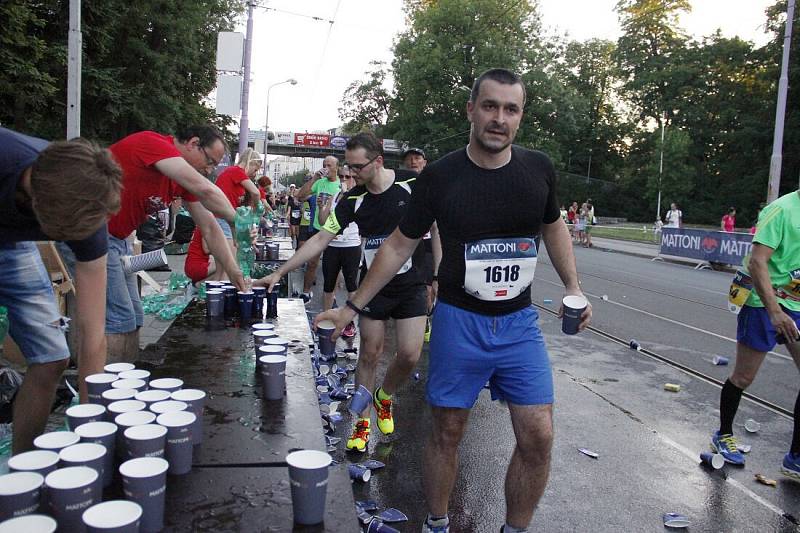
(499, 269)
(371, 245)
(296, 213)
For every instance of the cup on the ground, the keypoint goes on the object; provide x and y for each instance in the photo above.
(115, 516)
(20, 493)
(574, 306)
(752, 426)
(116, 368)
(167, 384)
(359, 472)
(70, 491)
(261, 335)
(85, 413)
(96, 384)
(308, 477)
(324, 331)
(178, 450)
(152, 396)
(105, 434)
(361, 399)
(144, 481)
(124, 406)
(195, 398)
(115, 395)
(168, 406)
(714, 460)
(55, 441)
(148, 440)
(86, 454)
(32, 523)
(215, 303)
(245, 300)
(273, 376)
(720, 360)
(138, 385)
(40, 461)
(136, 373)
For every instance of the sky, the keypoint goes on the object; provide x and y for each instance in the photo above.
(325, 58)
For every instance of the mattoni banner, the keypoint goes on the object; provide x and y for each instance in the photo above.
(705, 245)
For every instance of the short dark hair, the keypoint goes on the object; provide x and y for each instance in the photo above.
(368, 141)
(500, 75)
(207, 134)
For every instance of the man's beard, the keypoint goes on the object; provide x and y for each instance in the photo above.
(492, 149)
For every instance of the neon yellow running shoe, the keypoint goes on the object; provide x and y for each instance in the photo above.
(360, 437)
(428, 330)
(384, 410)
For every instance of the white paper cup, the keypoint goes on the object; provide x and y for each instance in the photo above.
(115, 395)
(261, 335)
(137, 373)
(144, 481)
(152, 396)
(125, 406)
(116, 516)
(97, 383)
(84, 413)
(86, 454)
(32, 523)
(55, 441)
(40, 461)
(308, 477)
(148, 440)
(116, 368)
(70, 491)
(20, 493)
(105, 434)
(168, 406)
(273, 376)
(136, 384)
(574, 306)
(262, 326)
(179, 440)
(196, 400)
(167, 384)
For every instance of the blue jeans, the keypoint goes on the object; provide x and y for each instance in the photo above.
(36, 324)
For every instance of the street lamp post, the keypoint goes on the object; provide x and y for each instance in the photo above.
(589, 169)
(266, 122)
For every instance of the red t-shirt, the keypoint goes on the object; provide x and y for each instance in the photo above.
(230, 182)
(262, 192)
(196, 265)
(729, 223)
(145, 190)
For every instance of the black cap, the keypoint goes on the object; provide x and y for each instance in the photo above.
(414, 151)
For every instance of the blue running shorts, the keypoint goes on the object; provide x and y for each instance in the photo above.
(468, 349)
(754, 329)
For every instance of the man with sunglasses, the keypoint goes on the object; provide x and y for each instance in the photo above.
(156, 169)
(376, 204)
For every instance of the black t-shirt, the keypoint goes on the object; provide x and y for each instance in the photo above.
(377, 216)
(18, 223)
(294, 206)
(470, 204)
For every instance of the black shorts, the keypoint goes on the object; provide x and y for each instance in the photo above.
(426, 269)
(344, 258)
(304, 235)
(294, 221)
(406, 303)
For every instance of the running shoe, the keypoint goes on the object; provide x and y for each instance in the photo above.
(360, 437)
(725, 445)
(384, 410)
(349, 331)
(428, 330)
(436, 526)
(791, 465)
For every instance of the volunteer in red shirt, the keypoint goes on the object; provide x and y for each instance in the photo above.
(236, 182)
(156, 169)
(728, 223)
(199, 264)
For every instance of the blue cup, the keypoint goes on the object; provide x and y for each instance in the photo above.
(144, 481)
(359, 472)
(105, 434)
(20, 493)
(258, 301)
(308, 478)
(360, 401)
(116, 516)
(574, 307)
(714, 460)
(215, 303)
(325, 329)
(246, 305)
(70, 491)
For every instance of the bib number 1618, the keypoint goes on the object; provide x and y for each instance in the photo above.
(498, 274)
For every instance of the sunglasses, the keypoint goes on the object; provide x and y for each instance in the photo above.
(358, 167)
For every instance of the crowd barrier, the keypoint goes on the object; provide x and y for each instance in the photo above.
(706, 246)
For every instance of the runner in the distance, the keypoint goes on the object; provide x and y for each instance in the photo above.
(377, 204)
(295, 214)
(484, 325)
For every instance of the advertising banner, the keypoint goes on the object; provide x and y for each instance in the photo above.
(705, 245)
(312, 139)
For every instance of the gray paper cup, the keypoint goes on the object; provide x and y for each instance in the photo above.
(136, 384)
(129, 420)
(262, 325)
(245, 305)
(261, 335)
(20, 493)
(152, 396)
(215, 303)
(269, 349)
(308, 477)
(179, 440)
(137, 373)
(104, 433)
(144, 481)
(124, 406)
(96, 384)
(32, 523)
(116, 368)
(114, 395)
(116, 516)
(362, 398)
(86, 454)
(196, 400)
(148, 440)
(573, 309)
(168, 406)
(78, 415)
(324, 331)
(55, 441)
(70, 491)
(259, 293)
(167, 384)
(276, 341)
(40, 461)
(273, 376)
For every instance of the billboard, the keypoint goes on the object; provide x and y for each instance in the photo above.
(312, 139)
(705, 245)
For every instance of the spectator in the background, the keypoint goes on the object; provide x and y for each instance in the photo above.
(728, 224)
(572, 218)
(674, 217)
(563, 213)
(590, 221)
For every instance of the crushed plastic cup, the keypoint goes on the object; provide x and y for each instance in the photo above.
(361, 400)
(714, 460)
(752, 426)
(359, 472)
(720, 360)
(675, 520)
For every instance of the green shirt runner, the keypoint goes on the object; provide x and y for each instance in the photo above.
(325, 186)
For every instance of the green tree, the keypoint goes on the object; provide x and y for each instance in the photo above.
(366, 104)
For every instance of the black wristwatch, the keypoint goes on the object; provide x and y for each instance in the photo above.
(435, 277)
(354, 307)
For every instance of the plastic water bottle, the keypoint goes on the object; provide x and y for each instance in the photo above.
(3, 324)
